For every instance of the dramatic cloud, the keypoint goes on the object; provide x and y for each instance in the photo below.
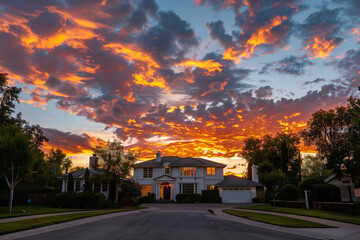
(321, 32)
(160, 82)
(290, 65)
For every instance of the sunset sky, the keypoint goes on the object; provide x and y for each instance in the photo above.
(188, 78)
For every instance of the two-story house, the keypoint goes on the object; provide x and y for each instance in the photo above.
(170, 175)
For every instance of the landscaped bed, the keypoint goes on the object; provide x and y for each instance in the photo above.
(276, 220)
(21, 225)
(348, 218)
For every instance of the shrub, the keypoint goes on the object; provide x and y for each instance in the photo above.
(129, 191)
(188, 198)
(256, 200)
(148, 199)
(357, 182)
(325, 193)
(357, 207)
(308, 183)
(66, 200)
(78, 200)
(91, 200)
(210, 196)
(289, 192)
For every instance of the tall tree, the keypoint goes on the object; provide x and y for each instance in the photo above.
(66, 164)
(8, 97)
(55, 159)
(116, 162)
(282, 151)
(20, 142)
(335, 137)
(17, 155)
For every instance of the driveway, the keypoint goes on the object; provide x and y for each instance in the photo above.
(168, 221)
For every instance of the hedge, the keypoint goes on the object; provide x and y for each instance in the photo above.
(86, 200)
(289, 192)
(210, 196)
(325, 193)
(188, 198)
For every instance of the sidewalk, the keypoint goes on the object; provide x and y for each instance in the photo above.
(344, 231)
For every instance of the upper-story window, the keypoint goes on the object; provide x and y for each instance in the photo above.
(148, 173)
(188, 171)
(167, 170)
(210, 171)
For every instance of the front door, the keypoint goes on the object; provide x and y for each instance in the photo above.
(167, 190)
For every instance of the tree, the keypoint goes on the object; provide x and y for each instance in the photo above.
(55, 159)
(17, 155)
(314, 166)
(116, 163)
(87, 180)
(66, 164)
(335, 137)
(282, 151)
(8, 97)
(70, 186)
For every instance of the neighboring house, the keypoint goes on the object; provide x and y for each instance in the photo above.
(345, 184)
(79, 180)
(168, 176)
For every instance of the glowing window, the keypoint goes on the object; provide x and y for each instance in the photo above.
(146, 190)
(210, 171)
(210, 187)
(188, 171)
(167, 170)
(148, 173)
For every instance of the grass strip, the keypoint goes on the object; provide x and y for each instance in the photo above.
(335, 216)
(19, 211)
(15, 226)
(276, 220)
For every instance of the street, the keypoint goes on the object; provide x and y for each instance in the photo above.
(165, 224)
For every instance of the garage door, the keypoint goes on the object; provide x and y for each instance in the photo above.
(236, 196)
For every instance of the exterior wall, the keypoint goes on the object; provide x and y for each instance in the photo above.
(201, 179)
(343, 185)
(82, 186)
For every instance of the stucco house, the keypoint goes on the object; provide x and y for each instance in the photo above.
(170, 175)
(345, 184)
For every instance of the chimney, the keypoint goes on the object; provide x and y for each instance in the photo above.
(158, 156)
(92, 161)
(255, 177)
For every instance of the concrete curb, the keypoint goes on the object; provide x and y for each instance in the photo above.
(320, 233)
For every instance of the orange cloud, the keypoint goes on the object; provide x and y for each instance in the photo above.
(263, 35)
(320, 47)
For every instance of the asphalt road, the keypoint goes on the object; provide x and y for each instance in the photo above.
(175, 225)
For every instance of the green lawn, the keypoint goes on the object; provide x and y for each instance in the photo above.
(21, 225)
(276, 220)
(32, 210)
(348, 218)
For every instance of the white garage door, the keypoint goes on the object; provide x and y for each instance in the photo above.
(235, 195)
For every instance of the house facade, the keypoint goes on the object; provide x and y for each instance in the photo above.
(79, 180)
(171, 175)
(346, 186)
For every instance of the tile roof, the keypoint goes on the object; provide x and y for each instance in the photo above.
(234, 181)
(175, 161)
